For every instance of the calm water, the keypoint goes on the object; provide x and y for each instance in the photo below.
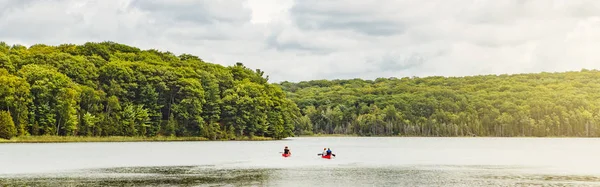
(359, 162)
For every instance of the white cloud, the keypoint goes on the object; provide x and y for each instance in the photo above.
(309, 39)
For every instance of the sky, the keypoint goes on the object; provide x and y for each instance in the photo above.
(299, 40)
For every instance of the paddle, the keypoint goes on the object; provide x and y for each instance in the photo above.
(321, 154)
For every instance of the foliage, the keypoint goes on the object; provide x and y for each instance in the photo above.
(111, 89)
(540, 104)
(7, 127)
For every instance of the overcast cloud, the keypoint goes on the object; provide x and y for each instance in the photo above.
(299, 40)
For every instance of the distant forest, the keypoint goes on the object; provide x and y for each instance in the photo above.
(540, 104)
(111, 89)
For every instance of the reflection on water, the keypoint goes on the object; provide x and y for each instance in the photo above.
(322, 176)
(364, 161)
(143, 176)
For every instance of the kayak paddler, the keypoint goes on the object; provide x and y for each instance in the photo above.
(328, 151)
(286, 150)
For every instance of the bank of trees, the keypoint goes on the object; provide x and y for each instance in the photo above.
(540, 104)
(111, 89)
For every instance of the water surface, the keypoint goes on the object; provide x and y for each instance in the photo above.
(364, 161)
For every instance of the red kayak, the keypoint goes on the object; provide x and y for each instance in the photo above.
(286, 155)
(326, 156)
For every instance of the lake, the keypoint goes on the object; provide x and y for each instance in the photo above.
(359, 161)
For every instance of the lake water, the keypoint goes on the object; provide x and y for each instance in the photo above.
(359, 161)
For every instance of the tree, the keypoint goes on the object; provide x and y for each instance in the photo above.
(15, 98)
(7, 127)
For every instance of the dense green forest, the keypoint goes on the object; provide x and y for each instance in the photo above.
(540, 104)
(110, 89)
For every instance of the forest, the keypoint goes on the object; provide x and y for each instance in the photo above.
(111, 89)
(534, 104)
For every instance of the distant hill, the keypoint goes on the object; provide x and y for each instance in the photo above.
(538, 104)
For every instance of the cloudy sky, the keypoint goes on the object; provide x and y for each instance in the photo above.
(299, 40)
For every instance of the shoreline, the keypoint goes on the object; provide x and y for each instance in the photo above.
(88, 139)
(409, 136)
(84, 139)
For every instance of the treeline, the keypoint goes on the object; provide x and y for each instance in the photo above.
(541, 104)
(111, 89)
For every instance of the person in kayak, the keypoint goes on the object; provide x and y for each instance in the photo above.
(328, 151)
(286, 150)
(324, 151)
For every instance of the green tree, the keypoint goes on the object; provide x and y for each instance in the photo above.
(7, 127)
